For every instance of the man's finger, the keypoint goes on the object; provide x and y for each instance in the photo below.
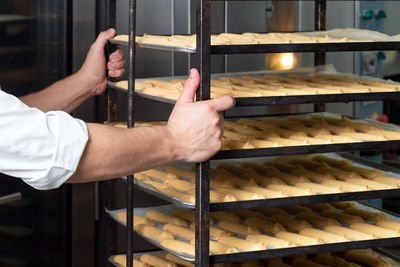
(116, 73)
(103, 38)
(222, 103)
(115, 65)
(117, 55)
(190, 88)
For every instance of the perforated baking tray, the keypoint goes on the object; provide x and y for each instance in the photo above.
(282, 252)
(309, 149)
(161, 254)
(286, 201)
(281, 100)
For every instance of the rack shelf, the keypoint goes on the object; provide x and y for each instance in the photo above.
(277, 48)
(161, 254)
(304, 250)
(285, 100)
(287, 201)
(307, 149)
(273, 252)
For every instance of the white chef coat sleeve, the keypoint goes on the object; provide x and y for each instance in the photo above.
(44, 149)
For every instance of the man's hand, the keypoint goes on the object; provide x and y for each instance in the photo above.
(195, 127)
(92, 71)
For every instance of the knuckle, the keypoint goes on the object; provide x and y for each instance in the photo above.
(209, 108)
(216, 121)
(218, 146)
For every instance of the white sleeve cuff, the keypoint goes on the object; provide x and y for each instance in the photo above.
(43, 149)
(70, 136)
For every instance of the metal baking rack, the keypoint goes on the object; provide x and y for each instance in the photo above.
(269, 253)
(286, 201)
(277, 100)
(204, 50)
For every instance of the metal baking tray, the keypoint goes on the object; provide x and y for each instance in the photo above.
(305, 47)
(10, 198)
(185, 49)
(381, 252)
(309, 149)
(277, 48)
(158, 253)
(142, 211)
(287, 201)
(13, 19)
(282, 252)
(280, 100)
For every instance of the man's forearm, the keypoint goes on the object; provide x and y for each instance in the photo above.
(113, 152)
(65, 95)
(193, 134)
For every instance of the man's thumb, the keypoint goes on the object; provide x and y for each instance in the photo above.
(190, 88)
(103, 38)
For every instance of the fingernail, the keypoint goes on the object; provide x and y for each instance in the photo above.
(191, 73)
(110, 30)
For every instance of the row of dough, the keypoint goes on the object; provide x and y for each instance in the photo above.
(351, 258)
(268, 132)
(270, 85)
(267, 228)
(238, 39)
(277, 178)
(299, 131)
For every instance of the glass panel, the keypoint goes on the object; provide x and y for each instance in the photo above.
(33, 45)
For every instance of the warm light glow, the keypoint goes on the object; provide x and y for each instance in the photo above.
(281, 61)
(287, 61)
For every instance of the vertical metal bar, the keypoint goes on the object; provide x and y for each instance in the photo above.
(226, 6)
(356, 55)
(189, 31)
(320, 25)
(111, 16)
(203, 28)
(202, 214)
(109, 187)
(131, 124)
(357, 13)
(111, 13)
(172, 33)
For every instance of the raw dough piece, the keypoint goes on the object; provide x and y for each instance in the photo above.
(179, 246)
(153, 232)
(183, 232)
(237, 228)
(241, 244)
(377, 231)
(348, 233)
(165, 218)
(269, 241)
(299, 240)
(325, 236)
